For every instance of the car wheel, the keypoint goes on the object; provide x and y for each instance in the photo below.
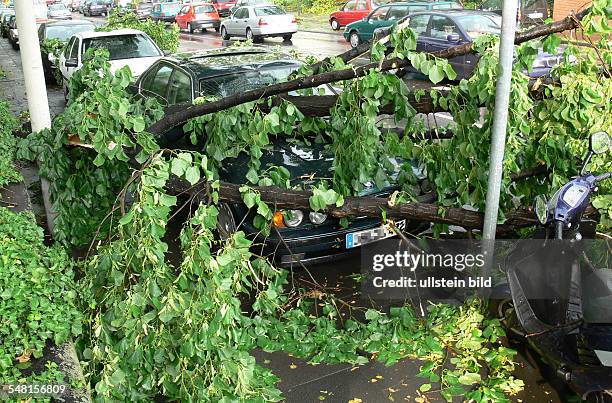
(224, 34)
(249, 34)
(190, 28)
(287, 37)
(335, 25)
(354, 39)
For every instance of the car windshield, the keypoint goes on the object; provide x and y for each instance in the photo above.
(268, 10)
(64, 32)
(57, 7)
(207, 8)
(230, 84)
(144, 6)
(446, 6)
(123, 46)
(476, 25)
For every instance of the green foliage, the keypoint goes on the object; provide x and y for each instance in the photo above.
(8, 146)
(323, 6)
(37, 293)
(55, 47)
(84, 183)
(167, 38)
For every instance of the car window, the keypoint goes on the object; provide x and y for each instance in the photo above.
(184, 10)
(446, 6)
(379, 14)
(240, 13)
(63, 32)
(74, 51)
(69, 47)
(397, 13)
(231, 84)
(207, 8)
(350, 6)
(361, 5)
(268, 10)
(418, 23)
(156, 8)
(415, 9)
(441, 27)
(179, 90)
(477, 24)
(156, 81)
(123, 46)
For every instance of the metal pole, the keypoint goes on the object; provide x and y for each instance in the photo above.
(500, 117)
(31, 63)
(34, 78)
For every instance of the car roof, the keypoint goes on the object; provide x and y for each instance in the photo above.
(221, 61)
(455, 12)
(68, 22)
(418, 3)
(100, 34)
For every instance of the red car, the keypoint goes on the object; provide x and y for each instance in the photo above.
(224, 7)
(351, 11)
(198, 16)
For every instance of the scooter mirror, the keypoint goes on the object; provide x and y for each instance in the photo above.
(541, 209)
(600, 142)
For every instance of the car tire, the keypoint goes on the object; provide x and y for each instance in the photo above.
(354, 39)
(224, 34)
(190, 28)
(287, 37)
(249, 34)
(335, 25)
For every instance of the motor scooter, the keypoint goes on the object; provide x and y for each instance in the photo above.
(560, 281)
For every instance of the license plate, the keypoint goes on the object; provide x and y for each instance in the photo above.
(208, 25)
(359, 238)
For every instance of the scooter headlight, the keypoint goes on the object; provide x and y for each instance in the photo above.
(293, 218)
(317, 218)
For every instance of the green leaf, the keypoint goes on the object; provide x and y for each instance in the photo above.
(192, 175)
(469, 378)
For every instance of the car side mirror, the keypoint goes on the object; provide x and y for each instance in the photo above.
(71, 63)
(166, 52)
(453, 38)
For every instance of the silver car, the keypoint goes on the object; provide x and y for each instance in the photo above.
(58, 11)
(258, 22)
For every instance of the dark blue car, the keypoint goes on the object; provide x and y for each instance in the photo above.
(438, 30)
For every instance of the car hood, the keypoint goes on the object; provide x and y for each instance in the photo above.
(137, 65)
(306, 163)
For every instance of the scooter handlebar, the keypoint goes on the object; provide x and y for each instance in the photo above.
(603, 177)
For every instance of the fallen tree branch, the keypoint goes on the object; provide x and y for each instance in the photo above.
(180, 117)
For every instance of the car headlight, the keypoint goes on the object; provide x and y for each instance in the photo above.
(293, 218)
(317, 218)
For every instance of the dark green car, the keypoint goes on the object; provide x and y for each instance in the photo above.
(388, 15)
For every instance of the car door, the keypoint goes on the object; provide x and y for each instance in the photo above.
(376, 19)
(419, 23)
(70, 57)
(444, 33)
(230, 23)
(344, 17)
(181, 17)
(243, 21)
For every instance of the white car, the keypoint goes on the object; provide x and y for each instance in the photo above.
(258, 22)
(126, 47)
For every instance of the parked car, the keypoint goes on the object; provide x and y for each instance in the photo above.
(198, 16)
(62, 31)
(388, 15)
(143, 10)
(97, 7)
(439, 30)
(165, 11)
(4, 27)
(126, 47)
(74, 5)
(83, 5)
(58, 11)
(530, 12)
(13, 34)
(310, 237)
(258, 22)
(224, 7)
(351, 11)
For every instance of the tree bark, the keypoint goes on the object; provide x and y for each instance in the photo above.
(174, 119)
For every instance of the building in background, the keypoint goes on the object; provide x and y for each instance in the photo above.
(563, 8)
